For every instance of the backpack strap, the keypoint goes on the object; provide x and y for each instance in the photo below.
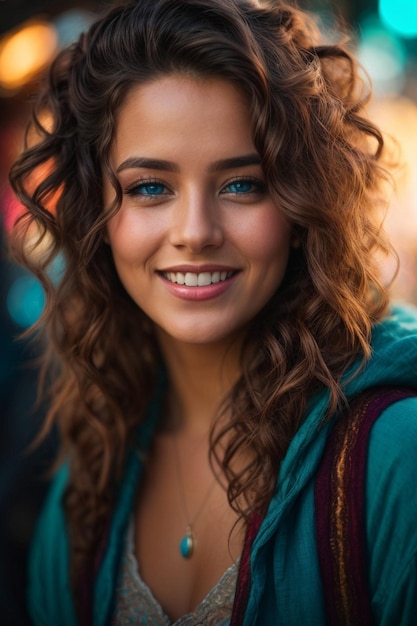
(339, 509)
(244, 579)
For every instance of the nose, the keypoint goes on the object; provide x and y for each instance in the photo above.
(196, 223)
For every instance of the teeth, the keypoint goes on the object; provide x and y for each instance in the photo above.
(191, 280)
(203, 279)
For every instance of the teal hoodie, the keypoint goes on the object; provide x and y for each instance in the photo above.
(286, 585)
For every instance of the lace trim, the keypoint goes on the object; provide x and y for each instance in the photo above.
(136, 604)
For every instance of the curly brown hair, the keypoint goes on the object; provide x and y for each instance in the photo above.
(322, 161)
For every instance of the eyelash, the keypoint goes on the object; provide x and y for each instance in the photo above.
(134, 190)
(258, 187)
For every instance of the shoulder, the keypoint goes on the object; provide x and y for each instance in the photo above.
(391, 512)
(49, 595)
(393, 440)
(392, 469)
(394, 347)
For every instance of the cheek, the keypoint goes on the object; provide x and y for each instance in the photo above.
(131, 239)
(268, 238)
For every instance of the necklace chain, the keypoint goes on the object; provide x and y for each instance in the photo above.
(187, 543)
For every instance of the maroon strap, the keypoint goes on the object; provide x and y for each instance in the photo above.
(243, 579)
(339, 508)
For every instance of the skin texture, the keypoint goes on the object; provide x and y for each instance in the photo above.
(195, 214)
(197, 221)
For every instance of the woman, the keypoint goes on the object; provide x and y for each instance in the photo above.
(216, 183)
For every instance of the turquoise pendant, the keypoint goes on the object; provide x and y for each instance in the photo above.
(187, 544)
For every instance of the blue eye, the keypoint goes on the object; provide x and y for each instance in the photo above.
(150, 189)
(240, 186)
(244, 186)
(147, 189)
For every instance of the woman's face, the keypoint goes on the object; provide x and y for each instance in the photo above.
(198, 242)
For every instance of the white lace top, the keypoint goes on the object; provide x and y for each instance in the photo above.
(136, 604)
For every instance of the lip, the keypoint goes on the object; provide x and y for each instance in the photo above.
(199, 293)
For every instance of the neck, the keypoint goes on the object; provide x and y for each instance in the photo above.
(200, 378)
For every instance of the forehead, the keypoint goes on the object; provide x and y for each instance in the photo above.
(175, 110)
(187, 89)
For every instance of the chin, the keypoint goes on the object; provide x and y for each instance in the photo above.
(200, 337)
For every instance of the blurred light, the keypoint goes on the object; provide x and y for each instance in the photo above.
(37, 247)
(398, 118)
(11, 207)
(25, 52)
(400, 16)
(70, 25)
(26, 298)
(57, 268)
(383, 56)
(46, 120)
(25, 301)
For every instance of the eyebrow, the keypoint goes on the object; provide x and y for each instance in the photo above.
(169, 166)
(240, 161)
(150, 164)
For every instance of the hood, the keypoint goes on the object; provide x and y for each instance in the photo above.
(393, 362)
(394, 353)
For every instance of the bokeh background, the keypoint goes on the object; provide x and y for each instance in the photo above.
(384, 33)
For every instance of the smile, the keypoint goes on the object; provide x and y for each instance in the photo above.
(202, 279)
